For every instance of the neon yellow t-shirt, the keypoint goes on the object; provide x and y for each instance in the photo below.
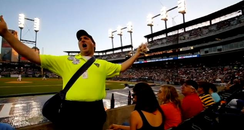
(88, 87)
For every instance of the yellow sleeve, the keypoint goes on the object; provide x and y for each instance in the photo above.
(55, 64)
(112, 69)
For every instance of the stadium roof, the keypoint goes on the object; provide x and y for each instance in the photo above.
(222, 12)
(104, 51)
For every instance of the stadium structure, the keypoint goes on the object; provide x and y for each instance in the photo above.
(207, 48)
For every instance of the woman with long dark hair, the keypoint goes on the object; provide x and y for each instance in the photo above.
(147, 114)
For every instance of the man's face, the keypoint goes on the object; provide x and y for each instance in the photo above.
(86, 46)
(200, 90)
(187, 89)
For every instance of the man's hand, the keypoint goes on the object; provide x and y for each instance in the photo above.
(3, 26)
(142, 49)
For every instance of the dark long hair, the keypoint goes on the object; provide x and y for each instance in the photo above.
(146, 99)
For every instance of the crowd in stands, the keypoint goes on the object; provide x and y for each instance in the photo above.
(202, 107)
(115, 55)
(221, 73)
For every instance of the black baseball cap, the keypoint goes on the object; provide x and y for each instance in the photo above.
(84, 33)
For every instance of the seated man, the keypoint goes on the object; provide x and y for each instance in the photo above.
(191, 103)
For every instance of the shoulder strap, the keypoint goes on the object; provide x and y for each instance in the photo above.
(78, 73)
(144, 120)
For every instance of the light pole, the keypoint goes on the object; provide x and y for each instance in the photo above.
(164, 16)
(36, 21)
(119, 32)
(182, 9)
(21, 26)
(36, 28)
(130, 30)
(110, 35)
(150, 21)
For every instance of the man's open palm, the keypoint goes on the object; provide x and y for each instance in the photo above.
(3, 26)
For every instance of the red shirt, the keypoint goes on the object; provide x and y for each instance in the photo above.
(172, 115)
(191, 106)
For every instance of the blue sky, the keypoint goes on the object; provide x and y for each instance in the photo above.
(61, 19)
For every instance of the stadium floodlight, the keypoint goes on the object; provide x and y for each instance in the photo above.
(130, 30)
(21, 21)
(129, 27)
(119, 30)
(164, 14)
(110, 33)
(182, 6)
(36, 21)
(182, 9)
(36, 24)
(149, 20)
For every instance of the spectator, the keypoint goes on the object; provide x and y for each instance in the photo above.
(236, 86)
(191, 103)
(171, 105)
(147, 114)
(213, 91)
(203, 91)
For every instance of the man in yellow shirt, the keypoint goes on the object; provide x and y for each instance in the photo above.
(83, 106)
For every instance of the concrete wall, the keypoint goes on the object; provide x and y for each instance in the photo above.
(118, 115)
(114, 116)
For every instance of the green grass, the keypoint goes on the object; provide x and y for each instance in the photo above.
(10, 87)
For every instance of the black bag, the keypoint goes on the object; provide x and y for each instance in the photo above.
(51, 108)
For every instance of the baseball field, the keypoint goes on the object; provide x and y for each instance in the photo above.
(35, 86)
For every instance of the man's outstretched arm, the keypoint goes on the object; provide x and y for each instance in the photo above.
(127, 64)
(18, 46)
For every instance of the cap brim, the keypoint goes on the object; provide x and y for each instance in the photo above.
(82, 33)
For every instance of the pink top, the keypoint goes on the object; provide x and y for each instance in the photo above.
(172, 115)
(191, 106)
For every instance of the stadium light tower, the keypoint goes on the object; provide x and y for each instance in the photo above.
(164, 16)
(110, 35)
(119, 32)
(182, 9)
(36, 21)
(130, 30)
(150, 21)
(36, 28)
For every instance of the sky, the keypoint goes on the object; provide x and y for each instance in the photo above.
(61, 19)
